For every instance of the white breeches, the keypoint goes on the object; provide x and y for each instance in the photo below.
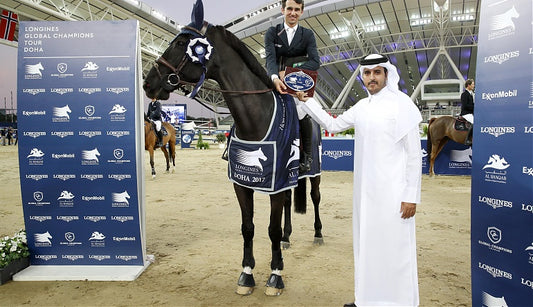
(157, 125)
(469, 118)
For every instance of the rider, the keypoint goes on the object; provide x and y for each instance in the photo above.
(279, 47)
(154, 114)
(467, 107)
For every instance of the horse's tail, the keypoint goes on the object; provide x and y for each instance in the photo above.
(300, 196)
(428, 144)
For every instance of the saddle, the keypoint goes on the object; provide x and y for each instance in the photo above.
(462, 124)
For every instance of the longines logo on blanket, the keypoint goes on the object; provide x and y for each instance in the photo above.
(527, 208)
(495, 169)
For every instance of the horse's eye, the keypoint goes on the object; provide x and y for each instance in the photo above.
(181, 43)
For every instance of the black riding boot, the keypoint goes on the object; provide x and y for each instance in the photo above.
(159, 138)
(306, 135)
(468, 140)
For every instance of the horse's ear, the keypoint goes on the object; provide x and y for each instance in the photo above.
(197, 15)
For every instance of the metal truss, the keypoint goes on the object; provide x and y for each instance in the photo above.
(399, 42)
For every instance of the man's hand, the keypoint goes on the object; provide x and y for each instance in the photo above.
(302, 96)
(408, 210)
(280, 86)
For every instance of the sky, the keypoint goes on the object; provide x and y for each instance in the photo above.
(215, 11)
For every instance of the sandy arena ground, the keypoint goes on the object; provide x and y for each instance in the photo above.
(193, 230)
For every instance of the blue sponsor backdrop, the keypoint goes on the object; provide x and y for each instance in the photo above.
(502, 170)
(77, 142)
(454, 159)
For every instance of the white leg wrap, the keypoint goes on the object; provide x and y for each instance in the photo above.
(247, 270)
(276, 272)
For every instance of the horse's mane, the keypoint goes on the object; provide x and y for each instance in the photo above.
(247, 56)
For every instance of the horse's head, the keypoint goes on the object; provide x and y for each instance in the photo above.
(185, 61)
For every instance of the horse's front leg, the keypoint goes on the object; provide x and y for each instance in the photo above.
(287, 217)
(315, 197)
(151, 151)
(245, 196)
(275, 283)
(164, 150)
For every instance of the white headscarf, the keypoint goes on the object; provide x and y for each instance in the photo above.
(374, 60)
(408, 115)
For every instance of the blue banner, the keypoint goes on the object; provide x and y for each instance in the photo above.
(77, 114)
(454, 159)
(502, 170)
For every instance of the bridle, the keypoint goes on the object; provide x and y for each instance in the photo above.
(173, 80)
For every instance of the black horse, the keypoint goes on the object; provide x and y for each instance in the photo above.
(203, 51)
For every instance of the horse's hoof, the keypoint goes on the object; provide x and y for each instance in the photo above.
(241, 290)
(318, 241)
(274, 285)
(246, 284)
(285, 244)
(273, 291)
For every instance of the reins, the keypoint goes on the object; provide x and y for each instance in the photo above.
(174, 79)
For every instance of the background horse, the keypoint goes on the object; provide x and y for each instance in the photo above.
(202, 51)
(440, 130)
(150, 139)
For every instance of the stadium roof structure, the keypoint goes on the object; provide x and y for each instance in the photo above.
(425, 39)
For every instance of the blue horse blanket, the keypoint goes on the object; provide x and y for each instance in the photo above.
(269, 165)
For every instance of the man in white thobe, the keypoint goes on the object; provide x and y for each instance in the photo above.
(387, 179)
